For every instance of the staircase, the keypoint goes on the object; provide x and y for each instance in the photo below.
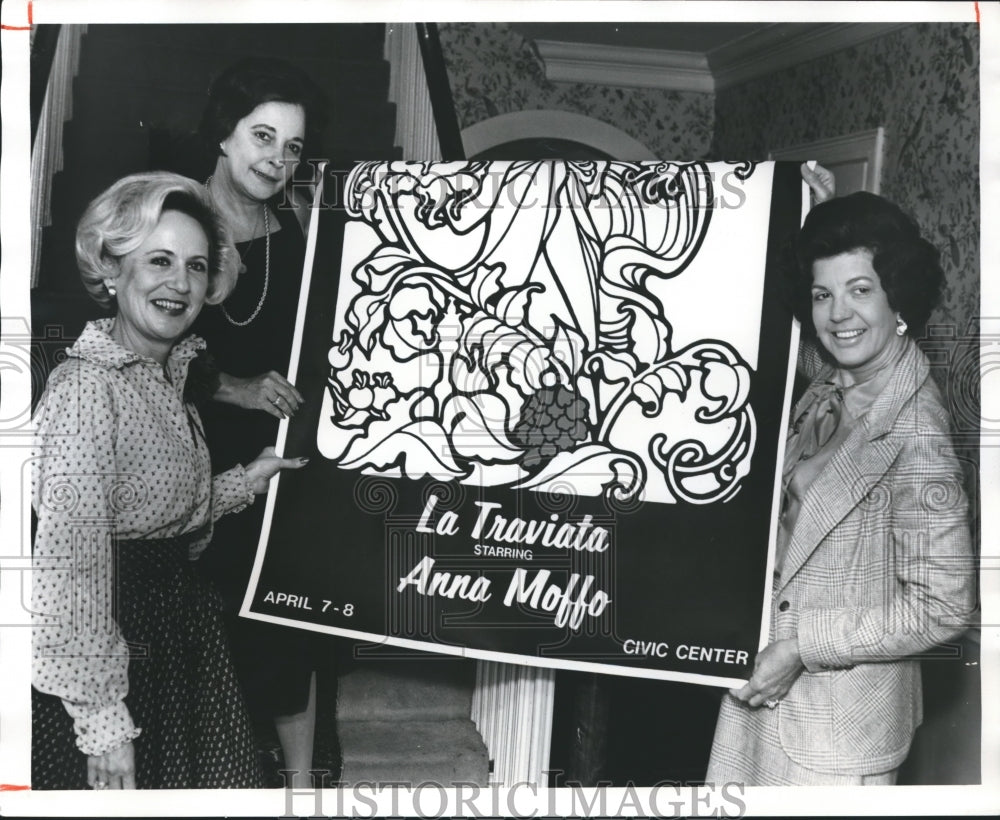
(139, 92)
(406, 719)
(138, 83)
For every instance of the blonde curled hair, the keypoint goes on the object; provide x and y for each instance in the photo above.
(119, 220)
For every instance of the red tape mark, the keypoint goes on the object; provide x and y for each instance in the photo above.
(7, 787)
(977, 12)
(19, 28)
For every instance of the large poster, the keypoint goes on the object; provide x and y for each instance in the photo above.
(544, 411)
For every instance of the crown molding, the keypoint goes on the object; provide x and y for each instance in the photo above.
(786, 44)
(770, 49)
(624, 66)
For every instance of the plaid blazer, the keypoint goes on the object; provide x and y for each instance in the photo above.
(879, 567)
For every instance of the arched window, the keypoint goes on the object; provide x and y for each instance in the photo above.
(550, 135)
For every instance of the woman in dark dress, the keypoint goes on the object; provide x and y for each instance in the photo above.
(261, 116)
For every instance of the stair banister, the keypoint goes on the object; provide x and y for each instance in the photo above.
(47, 145)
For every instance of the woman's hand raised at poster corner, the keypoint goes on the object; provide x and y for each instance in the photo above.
(820, 180)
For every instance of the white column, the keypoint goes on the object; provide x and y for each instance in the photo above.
(416, 132)
(512, 708)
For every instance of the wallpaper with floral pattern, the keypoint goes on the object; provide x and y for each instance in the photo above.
(920, 83)
(494, 70)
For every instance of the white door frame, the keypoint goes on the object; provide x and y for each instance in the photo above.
(850, 157)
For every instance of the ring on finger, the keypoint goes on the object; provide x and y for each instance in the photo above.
(100, 784)
(276, 401)
(771, 703)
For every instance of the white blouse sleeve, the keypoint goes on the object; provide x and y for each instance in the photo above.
(78, 652)
(231, 492)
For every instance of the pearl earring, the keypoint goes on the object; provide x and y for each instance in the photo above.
(112, 290)
(900, 325)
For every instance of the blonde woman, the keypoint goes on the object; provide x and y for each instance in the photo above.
(133, 683)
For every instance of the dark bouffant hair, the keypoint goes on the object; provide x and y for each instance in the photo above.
(256, 80)
(907, 265)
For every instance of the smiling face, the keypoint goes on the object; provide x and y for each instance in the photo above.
(851, 312)
(162, 286)
(262, 152)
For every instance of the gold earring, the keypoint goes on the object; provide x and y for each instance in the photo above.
(112, 290)
(900, 325)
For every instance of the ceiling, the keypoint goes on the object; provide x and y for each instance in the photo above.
(702, 57)
(697, 37)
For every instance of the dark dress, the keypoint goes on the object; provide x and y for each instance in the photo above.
(274, 663)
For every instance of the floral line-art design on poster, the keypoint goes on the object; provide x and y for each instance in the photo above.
(500, 332)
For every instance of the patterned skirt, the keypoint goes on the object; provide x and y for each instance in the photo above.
(182, 689)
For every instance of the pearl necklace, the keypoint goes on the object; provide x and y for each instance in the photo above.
(267, 270)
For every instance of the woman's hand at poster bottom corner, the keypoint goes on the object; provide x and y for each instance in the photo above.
(777, 667)
(112, 770)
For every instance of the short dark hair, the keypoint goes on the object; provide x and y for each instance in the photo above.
(908, 266)
(256, 80)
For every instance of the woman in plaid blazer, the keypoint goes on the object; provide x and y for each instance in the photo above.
(874, 561)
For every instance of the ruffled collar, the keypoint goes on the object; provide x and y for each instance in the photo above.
(96, 346)
(904, 378)
(859, 396)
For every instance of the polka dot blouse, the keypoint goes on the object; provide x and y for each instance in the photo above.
(118, 454)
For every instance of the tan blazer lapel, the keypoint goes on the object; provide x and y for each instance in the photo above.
(857, 466)
(845, 482)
